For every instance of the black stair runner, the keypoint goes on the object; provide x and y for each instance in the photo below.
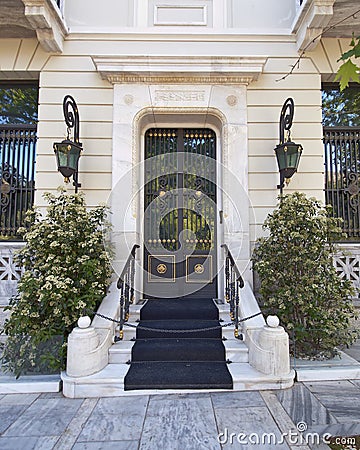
(179, 360)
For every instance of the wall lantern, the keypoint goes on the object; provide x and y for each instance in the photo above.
(68, 152)
(287, 153)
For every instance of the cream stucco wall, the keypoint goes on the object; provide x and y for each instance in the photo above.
(74, 72)
(265, 99)
(255, 16)
(75, 75)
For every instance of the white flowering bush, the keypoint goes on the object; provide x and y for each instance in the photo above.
(66, 272)
(299, 282)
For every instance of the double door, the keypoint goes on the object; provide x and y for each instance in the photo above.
(180, 213)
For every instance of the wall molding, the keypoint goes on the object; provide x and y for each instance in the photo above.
(179, 69)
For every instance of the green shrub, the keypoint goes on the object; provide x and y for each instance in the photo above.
(298, 280)
(66, 271)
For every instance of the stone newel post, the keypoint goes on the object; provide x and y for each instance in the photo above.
(269, 349)
(83, 357)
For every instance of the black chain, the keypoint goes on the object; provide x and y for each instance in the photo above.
(140, 327)
(163, 330)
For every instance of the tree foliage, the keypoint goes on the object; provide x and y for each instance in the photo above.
(348, 70)
(66, 271)
(18, 104)
(298, 280)
(341, 108)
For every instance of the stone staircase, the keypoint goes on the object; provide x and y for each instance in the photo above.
(109, 381)
(236, 350)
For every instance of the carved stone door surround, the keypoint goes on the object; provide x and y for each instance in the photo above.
(180, 92)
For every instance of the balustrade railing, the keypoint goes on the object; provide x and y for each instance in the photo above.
(233, 283)
(342, 171)
(126, 286)
(17, 175)
(347, 265)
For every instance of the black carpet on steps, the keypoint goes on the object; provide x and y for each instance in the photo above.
(178, 375)
(179, 308)
(191, 359)
(178, 350)
(210, 329)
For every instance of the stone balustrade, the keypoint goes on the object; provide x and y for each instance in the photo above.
(347, 264)
(10, 274)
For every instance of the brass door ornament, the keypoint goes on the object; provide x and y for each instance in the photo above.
(199, 268)
(161, 268)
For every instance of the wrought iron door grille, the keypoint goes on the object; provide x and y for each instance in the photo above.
(188, 177)
(160, 188)
(180, 212)
(17, 176)
(342, 171)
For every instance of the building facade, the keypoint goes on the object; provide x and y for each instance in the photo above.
(148, 70)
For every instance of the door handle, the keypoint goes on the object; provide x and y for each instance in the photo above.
(221, 215)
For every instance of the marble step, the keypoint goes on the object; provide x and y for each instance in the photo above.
(120, 352)
(129, 333)
(109, 382)
(236, 351)
(341, 367)
(29, 384)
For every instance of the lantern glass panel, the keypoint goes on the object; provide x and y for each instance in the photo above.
(288, 155)
(73, 157)
(67, 156)
(281, 157)
(293, 155)
(61, 154)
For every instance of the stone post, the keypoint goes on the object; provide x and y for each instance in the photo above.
(83, 357)
(269, 349)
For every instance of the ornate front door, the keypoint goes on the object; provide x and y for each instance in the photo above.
(180, 213)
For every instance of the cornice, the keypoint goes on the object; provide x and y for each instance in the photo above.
(179, 69)
(45, 18)
(135, 34)
(313, 17)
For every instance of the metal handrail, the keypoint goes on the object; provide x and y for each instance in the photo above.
(125, 284)
(130, 257)
(233, 263)
(233, 283)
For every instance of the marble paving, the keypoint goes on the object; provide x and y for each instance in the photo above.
(347, 407)
(197, 421)
(354, 350)
(303, 406)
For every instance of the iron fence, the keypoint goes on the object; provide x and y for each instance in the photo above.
(17, 176)
(342, 171)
